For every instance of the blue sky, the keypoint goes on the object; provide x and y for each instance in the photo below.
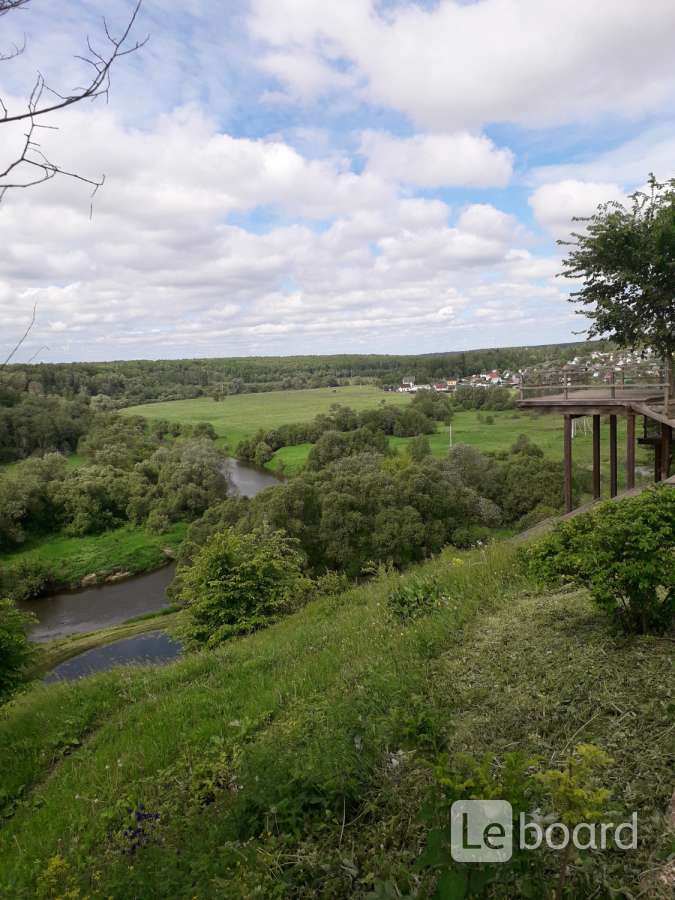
(296, 176)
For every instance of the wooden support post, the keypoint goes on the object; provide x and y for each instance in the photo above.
(568, 462)
(666, 445)
(596, 457)
(630, 451)
(657, 462)
(612, 381)
(613, 458)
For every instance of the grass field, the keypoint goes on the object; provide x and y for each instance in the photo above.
(296, 762)
(240, 416)
(129, 549)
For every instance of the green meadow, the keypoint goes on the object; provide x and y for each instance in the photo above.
(241, 415)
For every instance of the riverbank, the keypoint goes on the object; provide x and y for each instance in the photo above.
(75, 562)
(69, 563)
(53, 653)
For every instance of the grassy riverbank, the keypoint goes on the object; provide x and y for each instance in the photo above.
(296, 762)
(53, 653)
(129, 549)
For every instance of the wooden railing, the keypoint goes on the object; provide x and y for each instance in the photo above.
(608, 383)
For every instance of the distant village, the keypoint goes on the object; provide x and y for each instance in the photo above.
(601, 365)
(494, 378)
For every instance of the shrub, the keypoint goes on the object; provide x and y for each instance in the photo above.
(416, 597)
(15, 649)
(624, 553)
(239, 583)
(470, 536)
(26, 579)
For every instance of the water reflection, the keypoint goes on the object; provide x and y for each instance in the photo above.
(152, 647)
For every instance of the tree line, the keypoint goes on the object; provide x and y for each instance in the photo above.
(121, 383)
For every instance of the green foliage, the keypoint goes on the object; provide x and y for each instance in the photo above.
(486, 398)
(334, 445)
(575, 792)
(419, 448)
(239, 583)
(26, 579)
(135, 474)
(35, 424)
(293, 762)
(16, 652)
(417, 597)
(91, 499)
(626, 260)
(570, 795)
(140, 381)
(624, 553)
(434, 405)
(517, 482)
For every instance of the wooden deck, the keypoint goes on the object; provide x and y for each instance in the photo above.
(590, 401)
(612, 400)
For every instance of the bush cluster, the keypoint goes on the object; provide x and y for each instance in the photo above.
(420, 417)
(623, 553)
(135, 474)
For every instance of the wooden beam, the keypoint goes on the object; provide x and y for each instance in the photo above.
(568, 462)
(613, 459)
(596, 457)
(630, 452)
(666, 445)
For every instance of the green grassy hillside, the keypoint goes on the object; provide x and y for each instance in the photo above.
(296, 762)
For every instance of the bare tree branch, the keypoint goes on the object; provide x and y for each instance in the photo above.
(9, 5)
(39, 350)
(23, 338)
(31, 167)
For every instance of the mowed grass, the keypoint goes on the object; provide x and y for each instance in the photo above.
(240, 416)
(129, 549)
(266, 768)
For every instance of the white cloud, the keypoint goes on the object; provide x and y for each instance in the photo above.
(438, 160)
(554, 205)
(460, 65)
(160, 270)
(628, 164)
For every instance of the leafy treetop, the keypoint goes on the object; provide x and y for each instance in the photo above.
(626, 261)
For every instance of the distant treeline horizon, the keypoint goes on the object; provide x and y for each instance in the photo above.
(127, 382)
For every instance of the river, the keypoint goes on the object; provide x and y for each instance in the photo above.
(77, 612)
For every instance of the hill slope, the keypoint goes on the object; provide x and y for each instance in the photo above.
(295, 762)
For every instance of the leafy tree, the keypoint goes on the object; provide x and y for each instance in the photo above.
(16, 651)
(263, 454)
(239, 583)
(419, 448)
(624, 553)
(92, 499)
(626, 260)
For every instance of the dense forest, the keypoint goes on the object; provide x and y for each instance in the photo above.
(123, 383)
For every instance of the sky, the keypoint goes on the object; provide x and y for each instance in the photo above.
(304, 176)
